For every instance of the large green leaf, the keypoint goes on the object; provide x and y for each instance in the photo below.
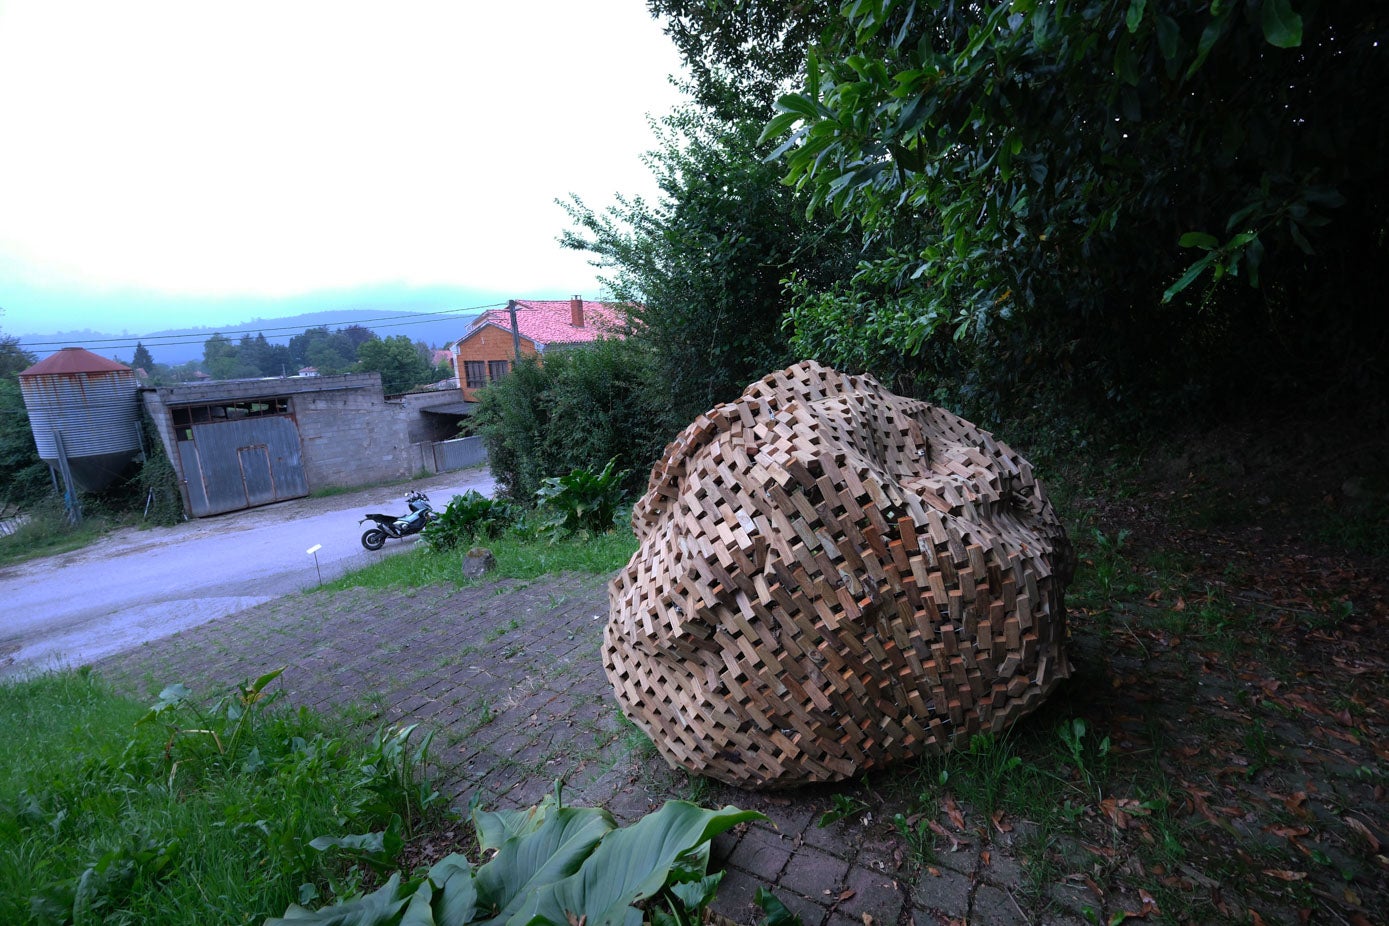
(1135, 15)
(529, 863)
(495, 827)
(1282, 27)
(379, 908)
(630, 865)
(457, 903)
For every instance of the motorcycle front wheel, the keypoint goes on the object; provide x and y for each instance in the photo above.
(373, 538)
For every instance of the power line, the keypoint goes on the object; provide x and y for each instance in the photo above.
(167, 340)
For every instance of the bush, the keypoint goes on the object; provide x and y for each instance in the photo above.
(24, 476)
(582, 501)
(579, 409)
(465, 518)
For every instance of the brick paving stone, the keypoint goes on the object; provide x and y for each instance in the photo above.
(787, 817)
(1001, 869)
(811, 912)
(735, 897)
(837, 838)
(941, 890)
(881, 851)
(993, 906)
(815, 873)
(963, 858)
(1073, 899)
(876, 894)
(721, 847)
(630, 804)
(762, 853)
(532, 790)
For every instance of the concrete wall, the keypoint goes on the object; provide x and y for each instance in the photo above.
(421, 426)
(351, 436)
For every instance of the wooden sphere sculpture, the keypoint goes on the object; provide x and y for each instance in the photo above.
(832, 578)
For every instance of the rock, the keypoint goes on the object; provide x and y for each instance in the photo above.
(477, 562)
(831, 578)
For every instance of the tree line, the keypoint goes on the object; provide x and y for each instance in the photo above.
(402, 363)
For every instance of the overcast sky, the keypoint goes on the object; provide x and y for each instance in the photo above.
(163, 160)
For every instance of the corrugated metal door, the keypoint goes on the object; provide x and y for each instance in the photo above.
(459, 453)
(241, 464)
(256, 475)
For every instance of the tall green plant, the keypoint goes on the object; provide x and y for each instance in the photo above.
(466, 517)
(582, 500)
(557, 864)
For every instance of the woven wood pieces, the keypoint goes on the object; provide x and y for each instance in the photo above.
(832, 578)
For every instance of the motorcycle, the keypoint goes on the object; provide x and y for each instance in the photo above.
(390, 525)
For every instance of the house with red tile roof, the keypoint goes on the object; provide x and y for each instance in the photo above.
(485, 354)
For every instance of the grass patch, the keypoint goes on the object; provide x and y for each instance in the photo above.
(200, 815)
(517, 558)
(48, 533)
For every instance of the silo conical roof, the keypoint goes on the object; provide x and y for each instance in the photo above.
(73, 360)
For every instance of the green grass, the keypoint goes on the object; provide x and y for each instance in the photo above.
(103, 820)
(517, 558)
(47, 533)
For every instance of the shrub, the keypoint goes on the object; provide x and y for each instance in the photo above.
(466, 517)
(582, 501)
(582, 407)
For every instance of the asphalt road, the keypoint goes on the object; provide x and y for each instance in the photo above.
(135, 585)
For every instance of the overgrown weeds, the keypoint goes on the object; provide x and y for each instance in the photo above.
(1206, 761)
(518, 557)
(47, 531)
(200, 813)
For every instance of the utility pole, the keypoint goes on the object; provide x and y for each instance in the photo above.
(515, 332)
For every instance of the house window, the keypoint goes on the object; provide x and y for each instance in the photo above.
(475, 373)
(496, 369)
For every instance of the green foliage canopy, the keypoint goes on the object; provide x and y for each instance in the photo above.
(583, 407)
(142, 359)
(741, 56)
(24, 476)
(703, 266)
(403, 364)
(1076, 185)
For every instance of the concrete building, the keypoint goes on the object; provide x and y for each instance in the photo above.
(242, 443)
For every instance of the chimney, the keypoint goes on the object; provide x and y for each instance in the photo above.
(576, 311)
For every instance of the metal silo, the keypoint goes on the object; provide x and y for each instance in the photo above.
(85, 407)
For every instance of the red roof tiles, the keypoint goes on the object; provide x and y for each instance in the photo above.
(551, 322)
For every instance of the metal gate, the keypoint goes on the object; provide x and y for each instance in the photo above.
(230, 465)
(458, 453)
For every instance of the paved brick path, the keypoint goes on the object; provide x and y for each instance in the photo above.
(509, 678)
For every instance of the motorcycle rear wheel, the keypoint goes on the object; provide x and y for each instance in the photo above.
(373, 538)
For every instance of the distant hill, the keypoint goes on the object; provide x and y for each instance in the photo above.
(179, 345)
